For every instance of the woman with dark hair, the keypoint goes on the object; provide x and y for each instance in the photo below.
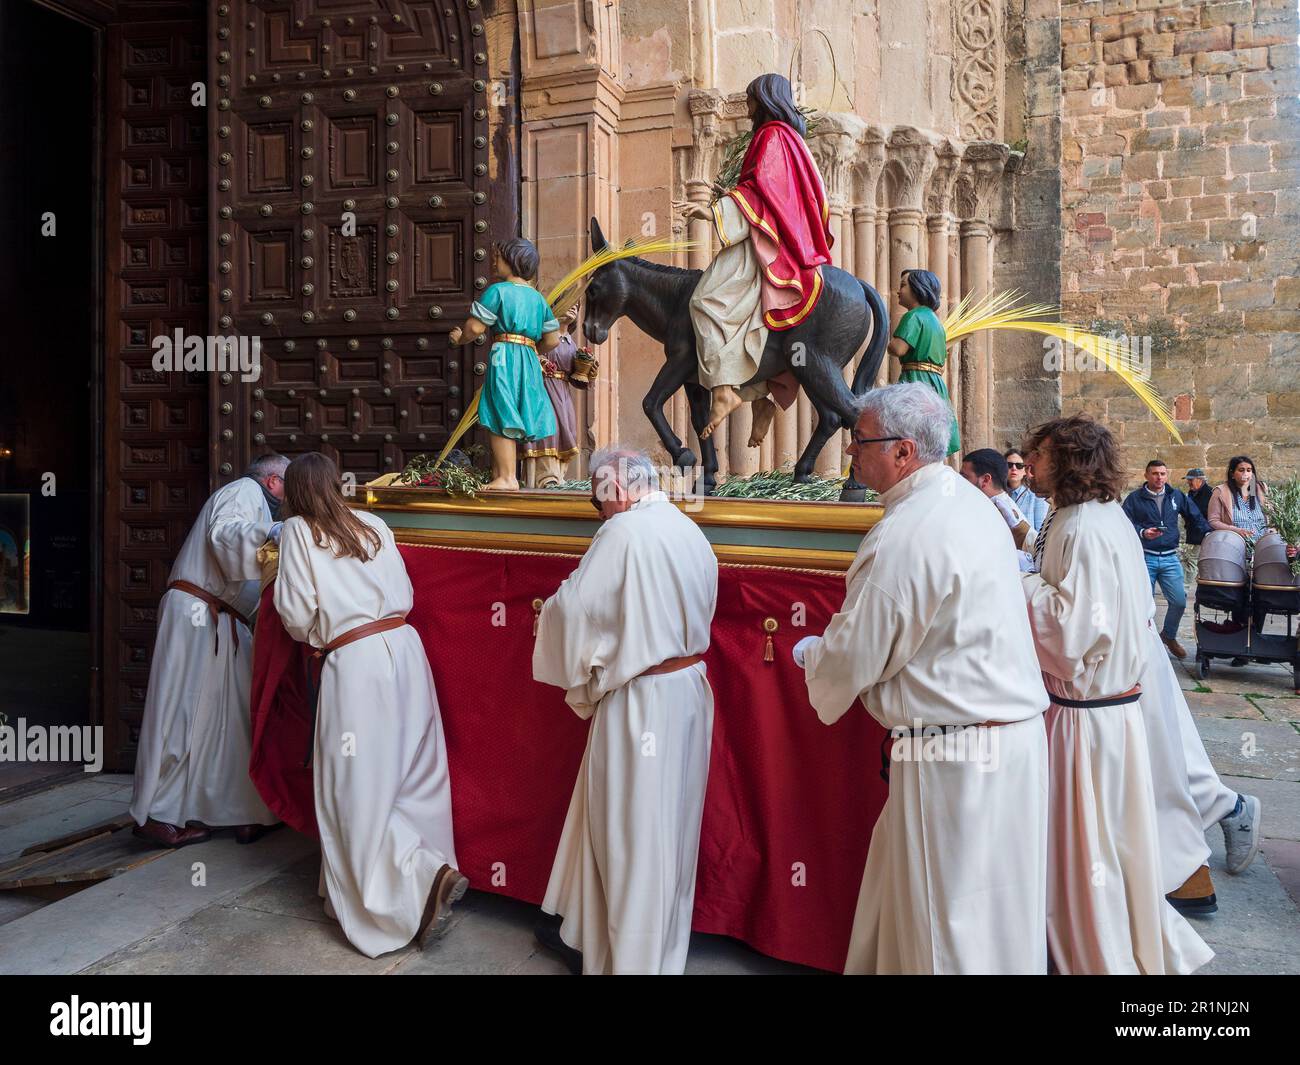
(513, 404)
(1092, 616)
(1237, 505)
(380, 777)
(919, 341)
(773, 227)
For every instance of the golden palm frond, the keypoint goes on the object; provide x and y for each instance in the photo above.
(466, 423)
(1003, 310)
(569, 288)
(566, 292)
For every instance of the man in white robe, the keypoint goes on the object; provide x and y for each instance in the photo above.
(624, 636)
(379, 759)
(1091, 613)
(933, 634)
(191, 768)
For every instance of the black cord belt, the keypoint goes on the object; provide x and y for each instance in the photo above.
(1131, 696)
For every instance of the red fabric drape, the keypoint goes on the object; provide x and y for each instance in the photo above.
(790, 803)
(780, 192)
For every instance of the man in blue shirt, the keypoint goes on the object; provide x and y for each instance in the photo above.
(1154, 509)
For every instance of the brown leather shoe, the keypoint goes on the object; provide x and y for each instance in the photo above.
(449, 887)
(1175, 648)
(162, 834)
(1196, 897)
(252, 833)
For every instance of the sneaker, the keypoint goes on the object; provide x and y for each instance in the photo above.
(1241, 833)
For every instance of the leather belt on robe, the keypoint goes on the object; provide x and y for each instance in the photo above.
(216, 607)
(1130, 696)
(370, 628)
(887, 744)
(671, 665)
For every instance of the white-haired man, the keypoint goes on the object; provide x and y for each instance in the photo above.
(624, 636)
(191, 769)
(933, 639)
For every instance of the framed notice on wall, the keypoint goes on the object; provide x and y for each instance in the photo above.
(15, 553)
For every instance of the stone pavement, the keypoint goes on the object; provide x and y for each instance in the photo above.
(222, 908)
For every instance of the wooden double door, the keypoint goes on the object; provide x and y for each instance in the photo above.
(332, 193)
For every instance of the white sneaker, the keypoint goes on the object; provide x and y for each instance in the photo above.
(1241, 833)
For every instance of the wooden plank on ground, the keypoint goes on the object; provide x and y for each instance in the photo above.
(96, 858)
(112, 824)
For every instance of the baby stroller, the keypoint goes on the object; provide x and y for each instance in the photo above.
(1223, 585)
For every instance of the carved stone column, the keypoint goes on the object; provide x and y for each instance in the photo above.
(912, 159)
(983, 164)
(938, 199)
(834, 149)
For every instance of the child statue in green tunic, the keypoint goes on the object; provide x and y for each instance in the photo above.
(919, 340)
(513, 404)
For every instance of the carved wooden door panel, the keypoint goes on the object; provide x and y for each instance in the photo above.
(350, 223)
(155, 422)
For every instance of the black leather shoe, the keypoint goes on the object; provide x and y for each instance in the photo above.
(1202, 907)
(547, 931)
(252, 833)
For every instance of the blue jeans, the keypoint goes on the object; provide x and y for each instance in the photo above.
(1167, 571)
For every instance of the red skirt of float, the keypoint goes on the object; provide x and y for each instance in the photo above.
(790, 805)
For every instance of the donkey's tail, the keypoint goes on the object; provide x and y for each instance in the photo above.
(872, 358)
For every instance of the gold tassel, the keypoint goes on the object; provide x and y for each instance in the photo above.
(769, 626)
(537, 615)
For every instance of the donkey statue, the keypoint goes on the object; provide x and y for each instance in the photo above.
(656, 299)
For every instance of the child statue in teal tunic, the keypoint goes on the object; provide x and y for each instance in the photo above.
(919, 340)
(513, 404)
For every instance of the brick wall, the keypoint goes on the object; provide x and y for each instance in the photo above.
(1180, 204)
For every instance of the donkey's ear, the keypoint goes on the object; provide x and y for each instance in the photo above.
(598, 242)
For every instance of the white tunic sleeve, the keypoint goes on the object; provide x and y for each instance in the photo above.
(1073, 621)
(730, 223)
(569, 642)
(295, 583)
(871, 638)
(237, 527)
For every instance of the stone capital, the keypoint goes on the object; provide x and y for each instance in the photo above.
(981, 169)
(910, 160)
(834, 147)
(870, 164)
(938, 197)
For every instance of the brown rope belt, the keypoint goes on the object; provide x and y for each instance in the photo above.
(671, 665)
(216, 607)
(370, 628)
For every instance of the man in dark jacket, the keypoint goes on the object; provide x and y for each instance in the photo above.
(1199, 492)
(1154, 510)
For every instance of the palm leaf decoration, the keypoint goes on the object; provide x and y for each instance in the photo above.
(1003, 310)
(566, 292)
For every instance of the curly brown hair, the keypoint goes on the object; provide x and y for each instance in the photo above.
(1085, 459)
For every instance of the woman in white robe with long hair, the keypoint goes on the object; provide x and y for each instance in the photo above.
(381, 780)
(1090, 609)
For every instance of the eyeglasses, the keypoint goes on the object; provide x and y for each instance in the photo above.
(1016, 465)
(861, 440)
(596, 503)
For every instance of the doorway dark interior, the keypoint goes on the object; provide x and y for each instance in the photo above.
(48, 456)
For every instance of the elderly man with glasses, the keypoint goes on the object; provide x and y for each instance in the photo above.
(934, 642)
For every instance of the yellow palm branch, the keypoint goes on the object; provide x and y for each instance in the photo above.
(1003, 310)
(564, 295)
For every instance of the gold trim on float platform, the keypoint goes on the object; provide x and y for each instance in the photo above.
(835, 562)
(746, 513)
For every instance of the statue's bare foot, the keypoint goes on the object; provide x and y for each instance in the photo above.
(764, 411)
(725, 400)
(502, 484)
